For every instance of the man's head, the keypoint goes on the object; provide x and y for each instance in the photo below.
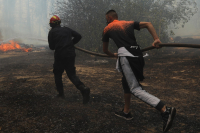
(54, 21)
(111, 15)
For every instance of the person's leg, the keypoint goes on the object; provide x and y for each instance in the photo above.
(168, 113)
(125, 112)
(69, 66)
(127, 95)
(58, 70)
(135, 87)
(127, 98)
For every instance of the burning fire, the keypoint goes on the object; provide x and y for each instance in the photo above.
(12, 46)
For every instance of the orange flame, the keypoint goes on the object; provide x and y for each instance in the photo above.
(12, 46)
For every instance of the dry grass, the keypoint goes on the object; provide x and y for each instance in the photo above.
(28, 104)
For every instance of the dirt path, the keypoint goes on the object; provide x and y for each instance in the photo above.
(28, 104)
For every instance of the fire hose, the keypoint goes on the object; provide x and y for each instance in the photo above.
(147, 48)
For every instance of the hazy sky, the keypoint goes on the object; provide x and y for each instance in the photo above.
(192, 28)
(30, 18)
(25, 18)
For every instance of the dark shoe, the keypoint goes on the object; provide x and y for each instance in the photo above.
(60, 96)
(123, 115)
(168, 117)
(85, 91)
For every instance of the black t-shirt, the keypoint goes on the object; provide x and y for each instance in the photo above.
(121, 32)
(62, 40)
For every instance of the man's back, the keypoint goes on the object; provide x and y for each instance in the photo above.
(121, 32)
(61, 40)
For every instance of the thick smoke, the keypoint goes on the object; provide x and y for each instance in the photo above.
(25, 18)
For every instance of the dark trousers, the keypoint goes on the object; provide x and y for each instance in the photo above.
(67, 64)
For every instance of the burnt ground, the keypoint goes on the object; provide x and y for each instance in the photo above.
(28, 103)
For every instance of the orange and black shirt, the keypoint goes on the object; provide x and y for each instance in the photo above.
(121, 32)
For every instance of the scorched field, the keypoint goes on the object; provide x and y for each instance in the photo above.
(28, 102)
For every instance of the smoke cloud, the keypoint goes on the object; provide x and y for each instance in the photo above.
(30, 18)
(25, 18)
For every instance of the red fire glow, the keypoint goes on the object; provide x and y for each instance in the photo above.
(12, 46)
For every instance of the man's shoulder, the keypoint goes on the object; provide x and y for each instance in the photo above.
(127, 22)
(51, 30)
(116, 24)
(108, 27)
(65, 27)
(105, 28)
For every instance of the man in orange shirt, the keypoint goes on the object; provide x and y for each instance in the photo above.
(131, 63)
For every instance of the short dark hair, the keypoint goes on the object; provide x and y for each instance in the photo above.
(112, 13)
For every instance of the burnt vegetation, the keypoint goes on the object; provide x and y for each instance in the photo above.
(28, 102)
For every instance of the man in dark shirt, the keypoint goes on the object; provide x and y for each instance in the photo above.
(62, 40)
(131, 63)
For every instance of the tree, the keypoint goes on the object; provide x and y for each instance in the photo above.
(88, 17)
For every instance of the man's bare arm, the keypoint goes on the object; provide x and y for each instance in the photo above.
(152, 31)
(106, 51)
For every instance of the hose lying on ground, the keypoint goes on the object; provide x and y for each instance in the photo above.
(147, 48)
